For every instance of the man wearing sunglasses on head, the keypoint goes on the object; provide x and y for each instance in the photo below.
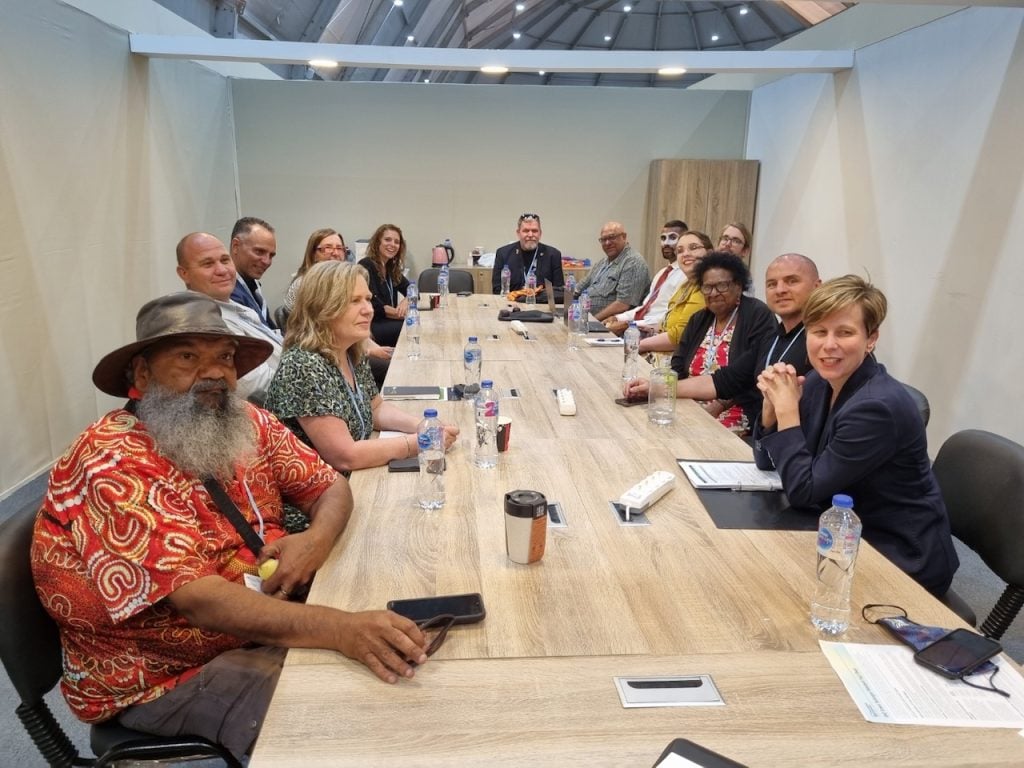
(653, 308)
(528, 256)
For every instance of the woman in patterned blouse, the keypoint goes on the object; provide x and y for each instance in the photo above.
(323, 389)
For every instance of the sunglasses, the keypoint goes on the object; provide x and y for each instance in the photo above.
(441, 624)
(528, 217)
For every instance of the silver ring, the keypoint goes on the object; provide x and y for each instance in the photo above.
(284, 592)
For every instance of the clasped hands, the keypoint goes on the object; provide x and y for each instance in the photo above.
(781, 386)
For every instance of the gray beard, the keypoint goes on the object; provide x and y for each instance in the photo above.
(201, 440)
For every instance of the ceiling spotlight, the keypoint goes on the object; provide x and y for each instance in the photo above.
(540, 72)
(494, 69)
(516, 35)
(627, 8)
(520, 7)
(426, 79)
(322, 63)
(714, 38)
(399, 3)
(669, 71)
(607, 38)
(410, 39)
(743, 10)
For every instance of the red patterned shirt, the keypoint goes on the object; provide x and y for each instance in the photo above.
(122, 528)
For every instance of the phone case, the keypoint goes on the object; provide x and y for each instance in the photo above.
(630, 403)
(467, 608)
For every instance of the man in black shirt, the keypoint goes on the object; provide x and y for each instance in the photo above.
(528, 256)
(789, 280)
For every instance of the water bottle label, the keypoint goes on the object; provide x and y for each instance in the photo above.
(470, 356)
(410, 320)
(424, 441)
(825, 541)
(488, 408)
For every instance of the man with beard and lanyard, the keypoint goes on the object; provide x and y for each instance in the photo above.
(789, 281)
(164, 620)
(528, 257)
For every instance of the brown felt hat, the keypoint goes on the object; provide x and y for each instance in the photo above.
(169, 317)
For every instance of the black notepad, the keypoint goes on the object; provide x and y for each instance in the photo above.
(755, 511)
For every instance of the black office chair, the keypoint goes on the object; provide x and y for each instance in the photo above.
(982, 480)
(921, 401)
(30, 649)
(459, 280)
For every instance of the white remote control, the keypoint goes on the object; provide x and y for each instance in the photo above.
(518, 327)
(647, 491)
(566, 402)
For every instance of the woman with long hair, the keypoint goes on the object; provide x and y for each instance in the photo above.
(385, 266)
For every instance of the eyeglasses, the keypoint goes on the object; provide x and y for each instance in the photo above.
(721, 287)
(332, 249)
(610, 238)
(669, 238)
(442, 623)
(528, 217)
(733, 240)
(691, 248)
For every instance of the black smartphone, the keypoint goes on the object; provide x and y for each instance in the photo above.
(411, 464)
(627, 403)
(957, 654)
(467, 609)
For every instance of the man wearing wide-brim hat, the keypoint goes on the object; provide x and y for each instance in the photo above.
(157, 593)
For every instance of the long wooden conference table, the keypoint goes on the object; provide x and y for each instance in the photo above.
(532, 684)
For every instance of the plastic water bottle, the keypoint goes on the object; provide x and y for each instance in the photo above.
(506, 280)
(839, 532)
(531, 289)
(585, 306)
(472, 357)
(442, 286)
(412, 294)
(631, 352)
(485, 450)
(570, 289)
(430, 439)
(412, 332)
(575, 318)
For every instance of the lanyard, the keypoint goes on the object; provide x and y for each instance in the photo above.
(768, 360)
(715, 341)
(356, 397)
(391, 296)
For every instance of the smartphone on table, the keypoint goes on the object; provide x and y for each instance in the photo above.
(467, 609)
(957, 654)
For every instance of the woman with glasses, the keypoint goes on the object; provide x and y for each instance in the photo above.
(687, 299)
(730, 324)
(323, 245)
(323, 390)
(849, 427)
(385, 264)
(735, 239)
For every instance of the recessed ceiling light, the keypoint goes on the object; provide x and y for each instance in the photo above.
(410, 39)
(322, 63)
(714, 38)
(668, 71)
(743, 11)
(607, 38)
(426, 79)
(494, 69)
(540, 72)
(520, 7)
(516, 35)
(399, 2)
(627, 8)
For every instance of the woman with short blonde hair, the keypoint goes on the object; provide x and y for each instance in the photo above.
(849, 427)
(323, 389)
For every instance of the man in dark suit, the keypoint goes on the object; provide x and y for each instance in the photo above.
(527, 256)
(253, 247)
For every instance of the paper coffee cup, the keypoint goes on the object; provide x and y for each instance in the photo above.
(504, 432)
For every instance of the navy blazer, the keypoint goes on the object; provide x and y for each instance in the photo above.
(872, 446)
(549, 267)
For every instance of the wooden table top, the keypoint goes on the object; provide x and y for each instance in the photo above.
(677, 596)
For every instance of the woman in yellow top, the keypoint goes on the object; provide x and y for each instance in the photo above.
(686, 301)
